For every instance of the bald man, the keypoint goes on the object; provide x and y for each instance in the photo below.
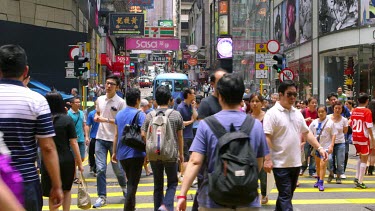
(210, 105)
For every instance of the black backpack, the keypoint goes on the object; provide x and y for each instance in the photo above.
(234, 180)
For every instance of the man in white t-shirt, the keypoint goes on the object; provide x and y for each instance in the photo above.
(283, 125)
(107, 106)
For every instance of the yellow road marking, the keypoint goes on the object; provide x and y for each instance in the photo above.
(270, 203)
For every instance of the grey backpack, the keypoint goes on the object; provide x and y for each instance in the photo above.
(160, 142)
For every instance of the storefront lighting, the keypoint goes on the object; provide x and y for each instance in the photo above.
(329, 59)
(337, 59)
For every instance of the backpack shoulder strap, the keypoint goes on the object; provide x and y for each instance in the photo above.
(168, 112)
(215, 126)
(247, 125)
(135, 119)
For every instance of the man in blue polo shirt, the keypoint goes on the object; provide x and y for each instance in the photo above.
(189, 115)
(91, 142)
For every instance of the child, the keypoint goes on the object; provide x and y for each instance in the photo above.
(363, 139)
(323, 129)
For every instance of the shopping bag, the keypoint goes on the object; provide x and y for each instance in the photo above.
(83, 197)
(270, 183)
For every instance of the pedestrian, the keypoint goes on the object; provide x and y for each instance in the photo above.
(130, 159)
(205, 89)
(348, 136)
(189, 115)
(92, 128)
(309, 114)
(338, 154)
(371, 158)
(107, 106)
(283, 125)
(144, 107)
(341, 96)
(325, 132)
(257, 113)
(229, 90)
(274, 99)
(361, 123)
(66, 145)
(333, 98)
(24, 116)
(208, 106)
(165, 201)
(80, 126)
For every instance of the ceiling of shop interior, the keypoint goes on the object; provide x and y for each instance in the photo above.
(342, 52)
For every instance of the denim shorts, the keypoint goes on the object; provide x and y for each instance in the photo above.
(82, 149)
(318, 154)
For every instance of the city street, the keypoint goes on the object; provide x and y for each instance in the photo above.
(342, 197)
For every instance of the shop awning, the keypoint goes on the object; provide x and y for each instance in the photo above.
(43, 89)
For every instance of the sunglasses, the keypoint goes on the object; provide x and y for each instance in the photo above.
(290, 94)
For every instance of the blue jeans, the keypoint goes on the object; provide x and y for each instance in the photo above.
(337, 157)
(312, 160)
(170, 168)
(101, 151)
(286, 182)
(33, 196)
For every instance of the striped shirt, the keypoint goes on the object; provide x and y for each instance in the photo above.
(24, 116)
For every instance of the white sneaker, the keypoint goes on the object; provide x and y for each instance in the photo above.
(100, 202)
(335, 176)
(343, 176)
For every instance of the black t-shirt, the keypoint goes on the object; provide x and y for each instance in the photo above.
(209, 106)
(65, 130)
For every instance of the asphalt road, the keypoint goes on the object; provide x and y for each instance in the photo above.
(343, 197)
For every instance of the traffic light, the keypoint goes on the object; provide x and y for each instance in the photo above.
(79, 69)
(279, 66)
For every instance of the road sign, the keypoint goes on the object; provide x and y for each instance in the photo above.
(273, 46)
(69, 73)
(74, 51)
(286, 74)
(270, 62)
(261, 74)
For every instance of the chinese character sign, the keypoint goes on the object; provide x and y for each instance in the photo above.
(127, 24)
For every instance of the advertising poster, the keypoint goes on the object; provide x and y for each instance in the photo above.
(367, 12)
(290, 23)
(305, 20)
(278, 23)
(337, 15)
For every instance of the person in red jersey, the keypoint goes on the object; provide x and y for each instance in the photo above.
(363, 139)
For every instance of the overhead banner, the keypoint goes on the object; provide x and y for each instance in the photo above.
(152, 44)
(127, 24)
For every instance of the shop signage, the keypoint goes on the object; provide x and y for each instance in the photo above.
(286, 74)
(193, 48)
(223, 7)
(192, 61)
(223, 24)
(225, 48)
(152, 44)
(159, 31)
(142, 3)
(123, 59)
(165, 23)
(127, 24)
(157, 58)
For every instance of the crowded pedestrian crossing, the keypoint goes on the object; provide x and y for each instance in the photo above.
(343, 196)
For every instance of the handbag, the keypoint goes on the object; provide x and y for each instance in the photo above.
(131, 135)
(83, 197)
(312, 150)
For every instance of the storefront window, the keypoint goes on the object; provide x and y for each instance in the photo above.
(366, 73)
